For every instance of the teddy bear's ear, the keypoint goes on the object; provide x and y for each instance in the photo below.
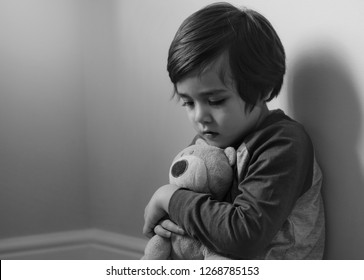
(231, 155)
(201, 142)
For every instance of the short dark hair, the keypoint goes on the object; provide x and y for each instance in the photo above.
(255, 53)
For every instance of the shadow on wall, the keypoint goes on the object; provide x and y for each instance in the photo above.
(324, 98)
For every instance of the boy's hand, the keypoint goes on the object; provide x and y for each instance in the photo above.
(157, 208)
(166, 227)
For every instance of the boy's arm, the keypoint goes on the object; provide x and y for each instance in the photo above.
(279, 172)
(157, 208)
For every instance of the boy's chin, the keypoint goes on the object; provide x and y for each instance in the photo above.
(215, 143)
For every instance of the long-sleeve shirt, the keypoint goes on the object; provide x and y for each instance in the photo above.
(274, 209)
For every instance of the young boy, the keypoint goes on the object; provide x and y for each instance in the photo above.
(225, 64)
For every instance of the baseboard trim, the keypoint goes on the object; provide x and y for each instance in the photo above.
(73, 244)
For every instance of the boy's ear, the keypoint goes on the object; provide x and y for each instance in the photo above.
(231, 155)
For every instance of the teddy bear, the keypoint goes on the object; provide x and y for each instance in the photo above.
(204, 169)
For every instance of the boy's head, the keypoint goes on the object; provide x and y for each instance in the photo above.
(254, 53)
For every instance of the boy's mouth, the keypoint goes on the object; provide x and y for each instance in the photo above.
(210, 134)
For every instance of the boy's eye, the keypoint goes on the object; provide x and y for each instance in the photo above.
(216, 102)
(187, 103)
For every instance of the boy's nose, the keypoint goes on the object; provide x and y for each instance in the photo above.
(202, 114)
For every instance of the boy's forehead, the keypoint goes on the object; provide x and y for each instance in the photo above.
(213, 79)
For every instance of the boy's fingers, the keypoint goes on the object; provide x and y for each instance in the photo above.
(159, 230)
(172, 227)
(147, 232)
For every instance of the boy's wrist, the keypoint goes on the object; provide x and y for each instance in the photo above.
(166, 193)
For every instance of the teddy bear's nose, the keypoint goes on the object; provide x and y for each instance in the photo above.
(179, 168)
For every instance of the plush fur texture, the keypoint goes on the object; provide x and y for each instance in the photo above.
(204, 169)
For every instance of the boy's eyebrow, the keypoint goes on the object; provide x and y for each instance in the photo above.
(204, 93)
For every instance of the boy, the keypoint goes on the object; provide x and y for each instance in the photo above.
(225, 64)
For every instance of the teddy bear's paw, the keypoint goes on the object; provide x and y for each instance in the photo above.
(158, 248)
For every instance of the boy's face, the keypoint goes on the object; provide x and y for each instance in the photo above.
(216, 110)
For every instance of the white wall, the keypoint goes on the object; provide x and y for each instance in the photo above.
(42, 125)
(88, 123)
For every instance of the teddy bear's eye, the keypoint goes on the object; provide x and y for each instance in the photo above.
(179, 168)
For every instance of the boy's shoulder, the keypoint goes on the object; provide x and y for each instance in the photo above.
(278, 128)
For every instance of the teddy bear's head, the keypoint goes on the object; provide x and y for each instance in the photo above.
(204, 168)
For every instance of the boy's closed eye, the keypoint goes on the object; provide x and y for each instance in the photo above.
(215, 102)
(187, 103)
